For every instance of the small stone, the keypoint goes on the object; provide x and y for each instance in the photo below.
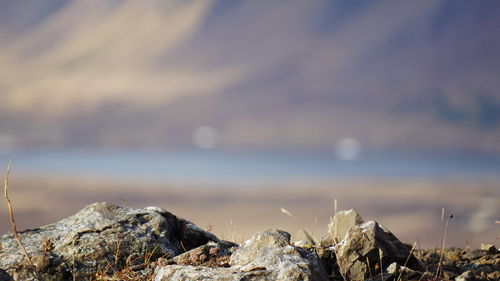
(393, 268)
(490, 248)
(212, 255)
(302, 244)
(340, 225)
(466, 276)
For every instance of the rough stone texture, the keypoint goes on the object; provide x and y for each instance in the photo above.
(100, 235)
(267, 256)
(340, 225)
(212, 255)
(200, 273)
(363, 247)
(271, 249)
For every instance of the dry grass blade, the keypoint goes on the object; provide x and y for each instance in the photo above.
(13, 221)
(331, 221)
(443, 239)
(406, 262)
(369, 268)
(286, 212)
(380, 254)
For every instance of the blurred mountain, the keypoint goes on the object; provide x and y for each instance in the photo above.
(419, 76)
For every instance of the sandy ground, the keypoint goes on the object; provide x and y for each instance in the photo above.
(411, 209)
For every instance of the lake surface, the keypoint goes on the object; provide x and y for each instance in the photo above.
(212, 166)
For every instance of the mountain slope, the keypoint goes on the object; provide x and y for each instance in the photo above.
(419, 76)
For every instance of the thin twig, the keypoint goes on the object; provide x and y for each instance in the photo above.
(13, 221)
(440, 263)
(406, 262)
(286, 212)
(380, 253)
(335, 240)
(332, 221)
(369, 269)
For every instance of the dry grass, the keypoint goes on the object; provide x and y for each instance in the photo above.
(13, 221)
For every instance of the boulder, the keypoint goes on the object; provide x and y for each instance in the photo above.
(99, 238)
(365, 245)
(340, 225)
(266, 256)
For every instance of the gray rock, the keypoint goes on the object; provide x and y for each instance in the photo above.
(201, 273)
(266, 256)
(340, 225)
(100, 235)
(359, 253)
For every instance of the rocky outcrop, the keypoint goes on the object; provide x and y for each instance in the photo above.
(266, 256)
(108, 242)
(100, 237)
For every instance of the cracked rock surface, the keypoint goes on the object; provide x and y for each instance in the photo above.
(267, 256)
(99, 235)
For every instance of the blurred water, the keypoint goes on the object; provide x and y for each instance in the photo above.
(213, 167)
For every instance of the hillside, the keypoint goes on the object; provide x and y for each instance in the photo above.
(419, 76)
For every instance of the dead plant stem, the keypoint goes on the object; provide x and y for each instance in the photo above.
(13, 221)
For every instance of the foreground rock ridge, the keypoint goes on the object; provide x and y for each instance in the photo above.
(104, 241)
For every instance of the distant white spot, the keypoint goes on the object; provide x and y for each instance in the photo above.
(205, 137)
(347, 148)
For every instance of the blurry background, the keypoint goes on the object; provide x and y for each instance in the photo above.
(223, 112)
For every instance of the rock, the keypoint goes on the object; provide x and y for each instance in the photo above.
(271, 249)
(360, 252)
(303, 244)
(340, 225)
(490, 248)
(466, 276)
(4, 276)
(212, 255)
(402, 272)
(200, 273)
(100, 235)
(266, 256)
